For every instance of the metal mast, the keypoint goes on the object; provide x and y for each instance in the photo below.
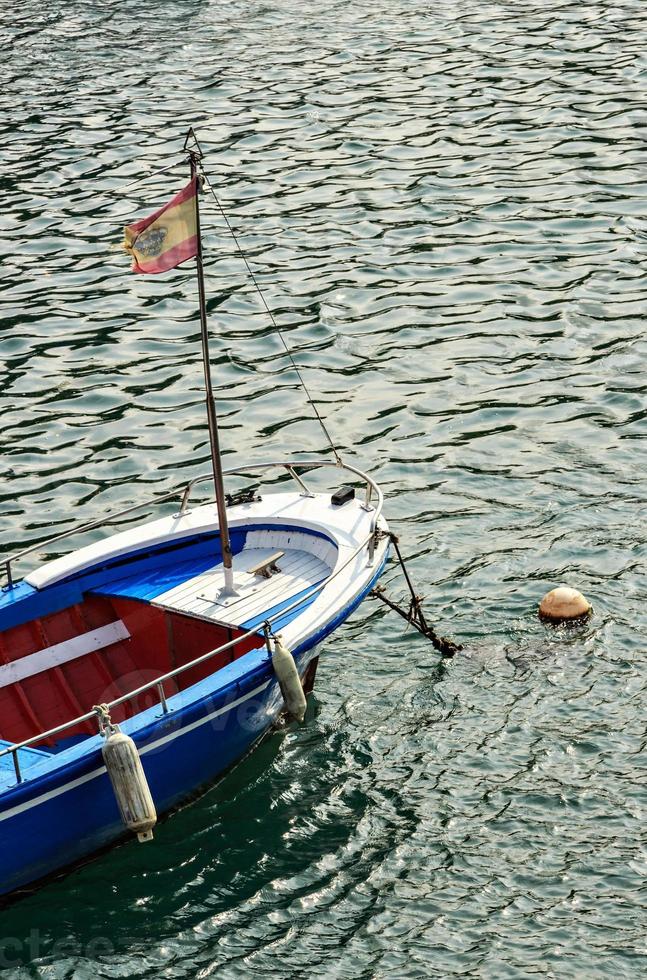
(195, 156)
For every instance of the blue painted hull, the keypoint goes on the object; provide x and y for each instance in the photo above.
(55, 820)
(68, 811)
(83, 817)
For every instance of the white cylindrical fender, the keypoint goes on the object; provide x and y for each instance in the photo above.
(289, 680)
(129, 784)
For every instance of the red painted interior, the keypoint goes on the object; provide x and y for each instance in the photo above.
(159, 641)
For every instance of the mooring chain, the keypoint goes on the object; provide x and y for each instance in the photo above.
(415, 615)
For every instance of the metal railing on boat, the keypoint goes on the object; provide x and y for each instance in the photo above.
(371, 487)
(185, 491)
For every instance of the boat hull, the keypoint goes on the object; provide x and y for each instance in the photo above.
(75, 815)
(65, 809)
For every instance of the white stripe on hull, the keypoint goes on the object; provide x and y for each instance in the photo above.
(21, 807)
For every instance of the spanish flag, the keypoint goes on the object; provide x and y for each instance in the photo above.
(165, 239)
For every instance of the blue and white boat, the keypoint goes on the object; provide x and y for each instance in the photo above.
(136, 622)
(168, 631)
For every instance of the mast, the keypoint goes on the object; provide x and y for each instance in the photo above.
(195, 156)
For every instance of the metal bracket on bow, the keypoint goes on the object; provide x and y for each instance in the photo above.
(414, 614)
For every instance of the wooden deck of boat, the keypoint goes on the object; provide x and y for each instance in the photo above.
(300, 570)
(191, 586)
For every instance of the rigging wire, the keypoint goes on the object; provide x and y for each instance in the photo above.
(146, 177)
(297, 371)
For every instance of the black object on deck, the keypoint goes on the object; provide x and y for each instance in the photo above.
(342, 496)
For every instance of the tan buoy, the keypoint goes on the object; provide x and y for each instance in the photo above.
(128, 778)
(289, 680)
(563, 604)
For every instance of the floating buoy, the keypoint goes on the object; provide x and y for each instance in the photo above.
(129, 782)
(564, 604)
(289, 680)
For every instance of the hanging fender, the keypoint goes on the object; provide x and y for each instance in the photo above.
(128, 779)
(289, 680)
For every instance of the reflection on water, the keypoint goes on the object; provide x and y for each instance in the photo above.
(445, 207)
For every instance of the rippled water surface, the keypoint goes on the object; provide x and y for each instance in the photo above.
(445, 204)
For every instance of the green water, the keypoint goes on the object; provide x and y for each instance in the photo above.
(445, 205)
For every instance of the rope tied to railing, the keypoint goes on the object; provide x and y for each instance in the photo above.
(106, 726)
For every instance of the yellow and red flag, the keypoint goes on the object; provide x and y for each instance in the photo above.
(170, 236)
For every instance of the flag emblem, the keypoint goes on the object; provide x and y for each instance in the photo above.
(166, 238)
(151, 242)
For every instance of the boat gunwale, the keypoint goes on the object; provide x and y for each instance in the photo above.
(369, 539)
(185, 490)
